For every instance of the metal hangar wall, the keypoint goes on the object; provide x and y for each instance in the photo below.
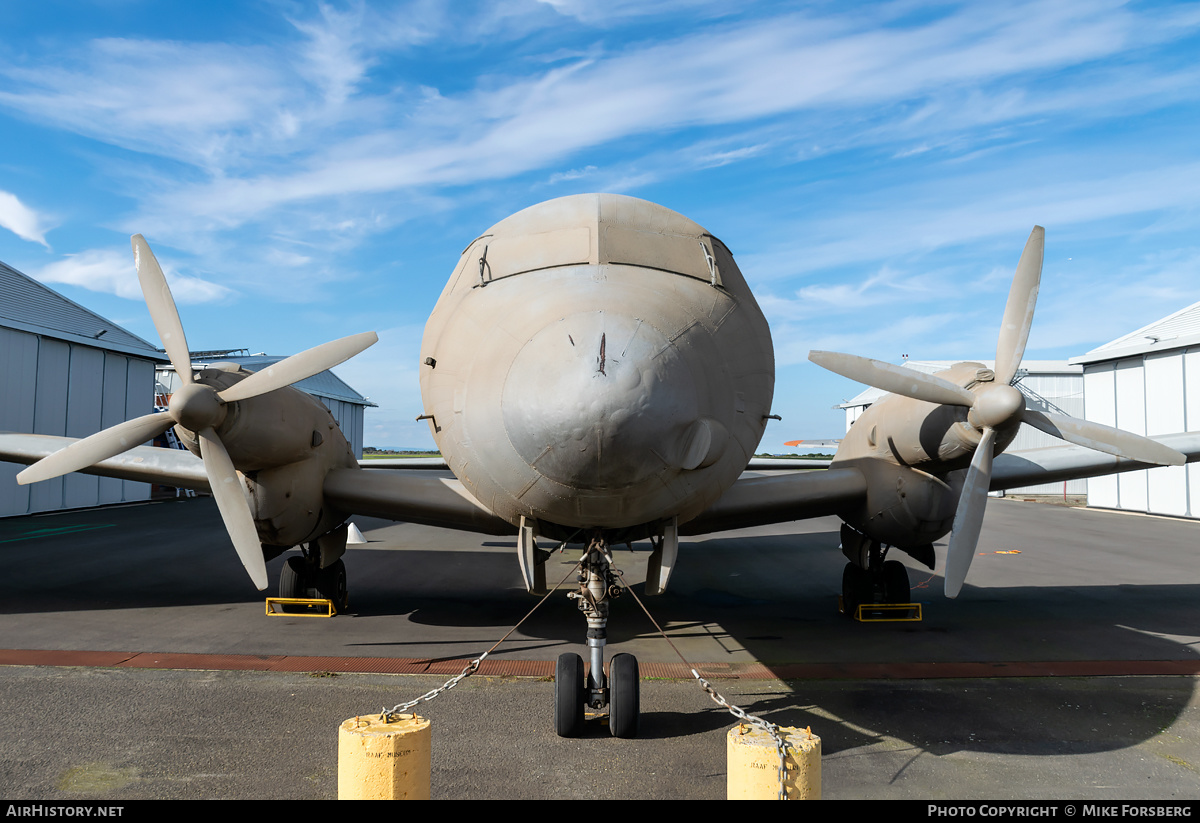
(1148, 382)
(65, 370)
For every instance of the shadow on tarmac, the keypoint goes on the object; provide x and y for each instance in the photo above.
(769, 597)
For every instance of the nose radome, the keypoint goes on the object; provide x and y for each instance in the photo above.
(602, 400)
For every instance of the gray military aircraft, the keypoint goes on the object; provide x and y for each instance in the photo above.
(596, 371)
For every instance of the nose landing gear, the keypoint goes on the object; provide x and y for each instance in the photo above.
(619, 690)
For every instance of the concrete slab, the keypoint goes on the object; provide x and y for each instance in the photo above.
(1089, 589)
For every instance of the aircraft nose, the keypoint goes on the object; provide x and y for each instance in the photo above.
(602, 400)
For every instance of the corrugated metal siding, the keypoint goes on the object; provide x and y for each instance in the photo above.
(1056, 394)
(1100, 396)
(50, 404)
(85, 381)
(18, 369)
(53, 387)
(1191, 414)
(139, 400)
(349, 417)
(1147, 394)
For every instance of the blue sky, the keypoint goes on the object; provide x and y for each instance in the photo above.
(306, 171)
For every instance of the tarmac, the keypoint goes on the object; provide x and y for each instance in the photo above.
(136, 661)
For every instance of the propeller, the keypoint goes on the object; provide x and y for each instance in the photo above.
(994, 403)
(198, 408)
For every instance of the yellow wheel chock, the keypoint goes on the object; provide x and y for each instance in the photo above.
(884, 612)
(313, 607)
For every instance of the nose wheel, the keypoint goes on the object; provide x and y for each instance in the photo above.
(568, 695)
(620, 689)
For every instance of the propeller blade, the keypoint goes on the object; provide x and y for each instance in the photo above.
(894, 379)
(1018, 312)
(100, 446)
(969, 518)
(1104, 438)
(299, 366)
(231, 501)
(162, 308)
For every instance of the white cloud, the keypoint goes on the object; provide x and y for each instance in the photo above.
(956, 211)
(21, 220)
(297, 124)
(762, 69)
(112, 272)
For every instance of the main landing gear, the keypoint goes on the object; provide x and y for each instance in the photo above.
(303, 577)
(619, 690)
(870, 577)
(885, 582)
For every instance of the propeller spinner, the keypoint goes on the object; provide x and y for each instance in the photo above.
(199, 408)
(995, 405)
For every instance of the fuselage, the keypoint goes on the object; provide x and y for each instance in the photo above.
(597, 362)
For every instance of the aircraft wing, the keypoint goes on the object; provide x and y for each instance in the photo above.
(761, 500)
(419, 496)
(758, 500)
(147, 464)
(404, 463)
(438, 499)
(1054, 463)
(426, 497)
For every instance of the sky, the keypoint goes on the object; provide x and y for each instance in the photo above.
(306, 171)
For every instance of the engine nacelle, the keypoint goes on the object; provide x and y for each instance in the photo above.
(904, 506)
(283, 443)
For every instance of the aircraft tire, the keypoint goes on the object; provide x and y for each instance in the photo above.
(624, 702)
(568, 695)
(855, 589)
(331, 585)
(293, 582)
(895, 582)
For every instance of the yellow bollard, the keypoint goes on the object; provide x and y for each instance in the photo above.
(752, 761)
(384, 761)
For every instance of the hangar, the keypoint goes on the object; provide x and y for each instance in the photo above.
(67, 371)
(1148, 382)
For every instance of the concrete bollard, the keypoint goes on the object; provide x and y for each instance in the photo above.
(384, 761)
(752, 762)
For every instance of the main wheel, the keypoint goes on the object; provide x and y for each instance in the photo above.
(895, 582)
(331, 585)
(854, 589)
(624, 702)
(293, 578)
(568, 695)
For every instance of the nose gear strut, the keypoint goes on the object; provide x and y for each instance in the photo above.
(619, 689)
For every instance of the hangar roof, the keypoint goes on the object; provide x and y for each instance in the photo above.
(1175, 331)
(29, 306)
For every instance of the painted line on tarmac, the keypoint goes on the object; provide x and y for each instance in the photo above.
(37, 534)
